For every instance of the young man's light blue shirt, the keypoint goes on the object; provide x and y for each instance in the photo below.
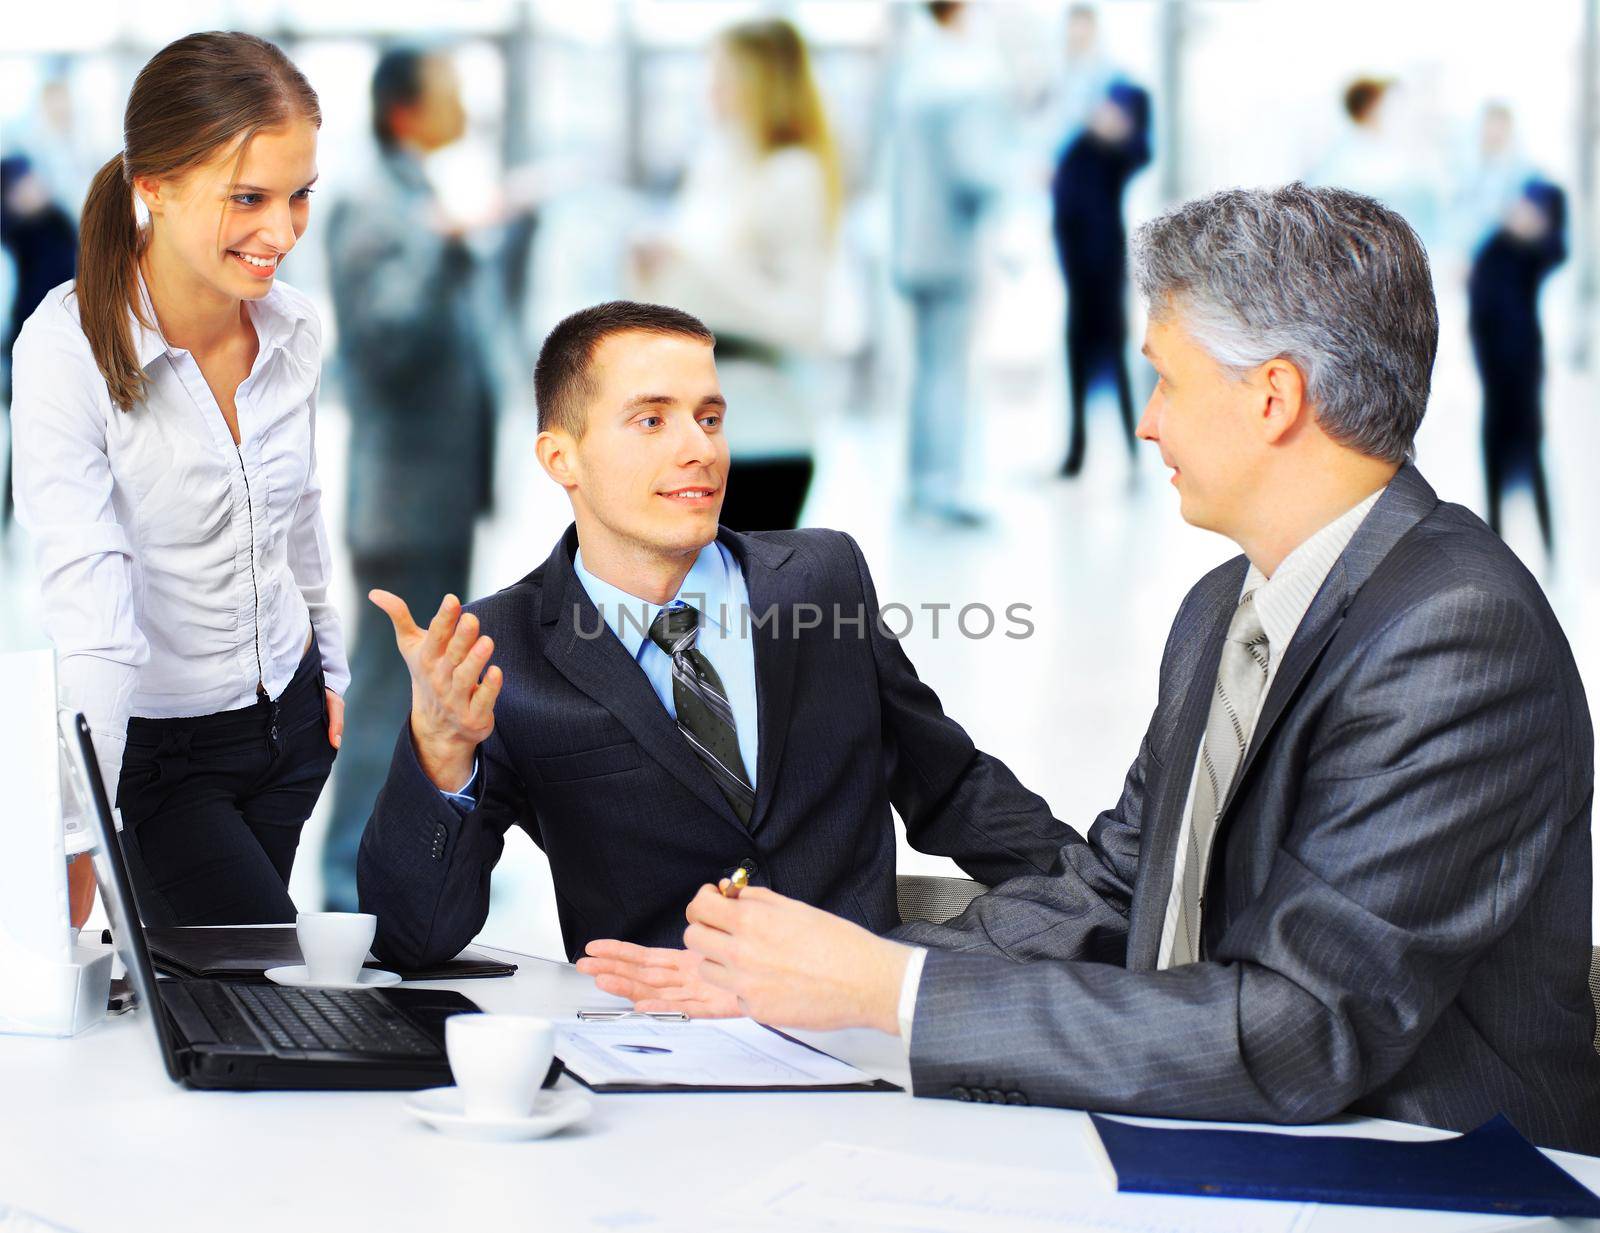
(714, 587)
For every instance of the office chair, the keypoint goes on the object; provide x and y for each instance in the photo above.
(935, 899)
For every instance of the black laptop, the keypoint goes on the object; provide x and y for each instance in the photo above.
(233, 1035)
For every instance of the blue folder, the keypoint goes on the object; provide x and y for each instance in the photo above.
(1490, 1169)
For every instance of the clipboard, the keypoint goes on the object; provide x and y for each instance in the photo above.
(867, 1083)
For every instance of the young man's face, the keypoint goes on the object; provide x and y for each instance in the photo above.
(652, 464)
(1201, 417)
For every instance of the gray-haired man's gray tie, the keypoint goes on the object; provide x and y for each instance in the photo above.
(704, 716)
(1241, 677)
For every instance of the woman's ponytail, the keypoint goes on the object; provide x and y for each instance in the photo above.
(108, 254)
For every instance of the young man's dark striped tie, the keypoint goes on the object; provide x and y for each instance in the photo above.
(704, 716)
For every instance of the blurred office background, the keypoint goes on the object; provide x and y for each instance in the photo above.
(608, 148)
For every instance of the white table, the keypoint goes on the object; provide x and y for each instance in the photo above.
(94, 1136)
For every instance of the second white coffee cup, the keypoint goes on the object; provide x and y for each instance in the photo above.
(335, 944)
(499, 1061)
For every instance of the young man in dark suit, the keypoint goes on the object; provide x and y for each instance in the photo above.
(668, 700)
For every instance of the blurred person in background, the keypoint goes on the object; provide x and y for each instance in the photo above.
(1082, 78)
(1363, 158)
(1377, 153)
(42, 242)
(418, 383)
(1092, 244)
(56, 144)
(165, 424)
(750, 254)
(1491, 179)
(1508, 343)
(1087, 74)
(947, 142)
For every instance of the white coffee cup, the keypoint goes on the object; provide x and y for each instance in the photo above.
(499, 1061)
(335, 944)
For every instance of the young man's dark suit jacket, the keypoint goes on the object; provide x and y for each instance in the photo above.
(585, 758)
(1397, 919)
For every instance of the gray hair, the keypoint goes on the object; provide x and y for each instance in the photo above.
(1328, 279)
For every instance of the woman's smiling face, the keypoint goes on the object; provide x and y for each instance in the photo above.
(230, 221)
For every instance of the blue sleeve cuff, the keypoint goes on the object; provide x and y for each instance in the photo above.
(466, 799)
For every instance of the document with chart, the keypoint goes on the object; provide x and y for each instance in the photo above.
(728, 1055)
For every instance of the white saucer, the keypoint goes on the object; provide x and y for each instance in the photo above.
(295, 975)
(441, 1108)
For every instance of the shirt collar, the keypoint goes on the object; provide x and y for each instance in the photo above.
(705, 587)
(275, 315)
(1283, 599)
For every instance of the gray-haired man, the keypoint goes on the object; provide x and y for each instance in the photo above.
(1350, 866)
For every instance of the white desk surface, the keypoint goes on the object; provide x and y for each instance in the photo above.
(94, 1137)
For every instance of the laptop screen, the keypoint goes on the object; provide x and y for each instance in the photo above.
(112, 873)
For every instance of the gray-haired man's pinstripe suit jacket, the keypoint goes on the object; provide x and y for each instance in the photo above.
(1397, 920)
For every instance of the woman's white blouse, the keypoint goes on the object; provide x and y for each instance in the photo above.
(178, 570)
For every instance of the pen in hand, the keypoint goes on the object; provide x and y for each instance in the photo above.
(730, 887)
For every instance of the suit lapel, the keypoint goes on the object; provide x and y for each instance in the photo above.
(1158, 848)
(588, 654)
(773, 580)
(1406, 501)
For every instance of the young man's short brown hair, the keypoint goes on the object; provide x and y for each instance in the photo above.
(561, 382)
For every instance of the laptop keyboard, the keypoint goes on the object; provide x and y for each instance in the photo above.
(327, 1020)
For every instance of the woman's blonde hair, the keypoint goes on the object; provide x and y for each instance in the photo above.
(784, 107)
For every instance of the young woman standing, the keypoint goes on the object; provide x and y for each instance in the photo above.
(164, 424)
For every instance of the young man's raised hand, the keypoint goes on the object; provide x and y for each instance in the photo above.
(453, 687)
